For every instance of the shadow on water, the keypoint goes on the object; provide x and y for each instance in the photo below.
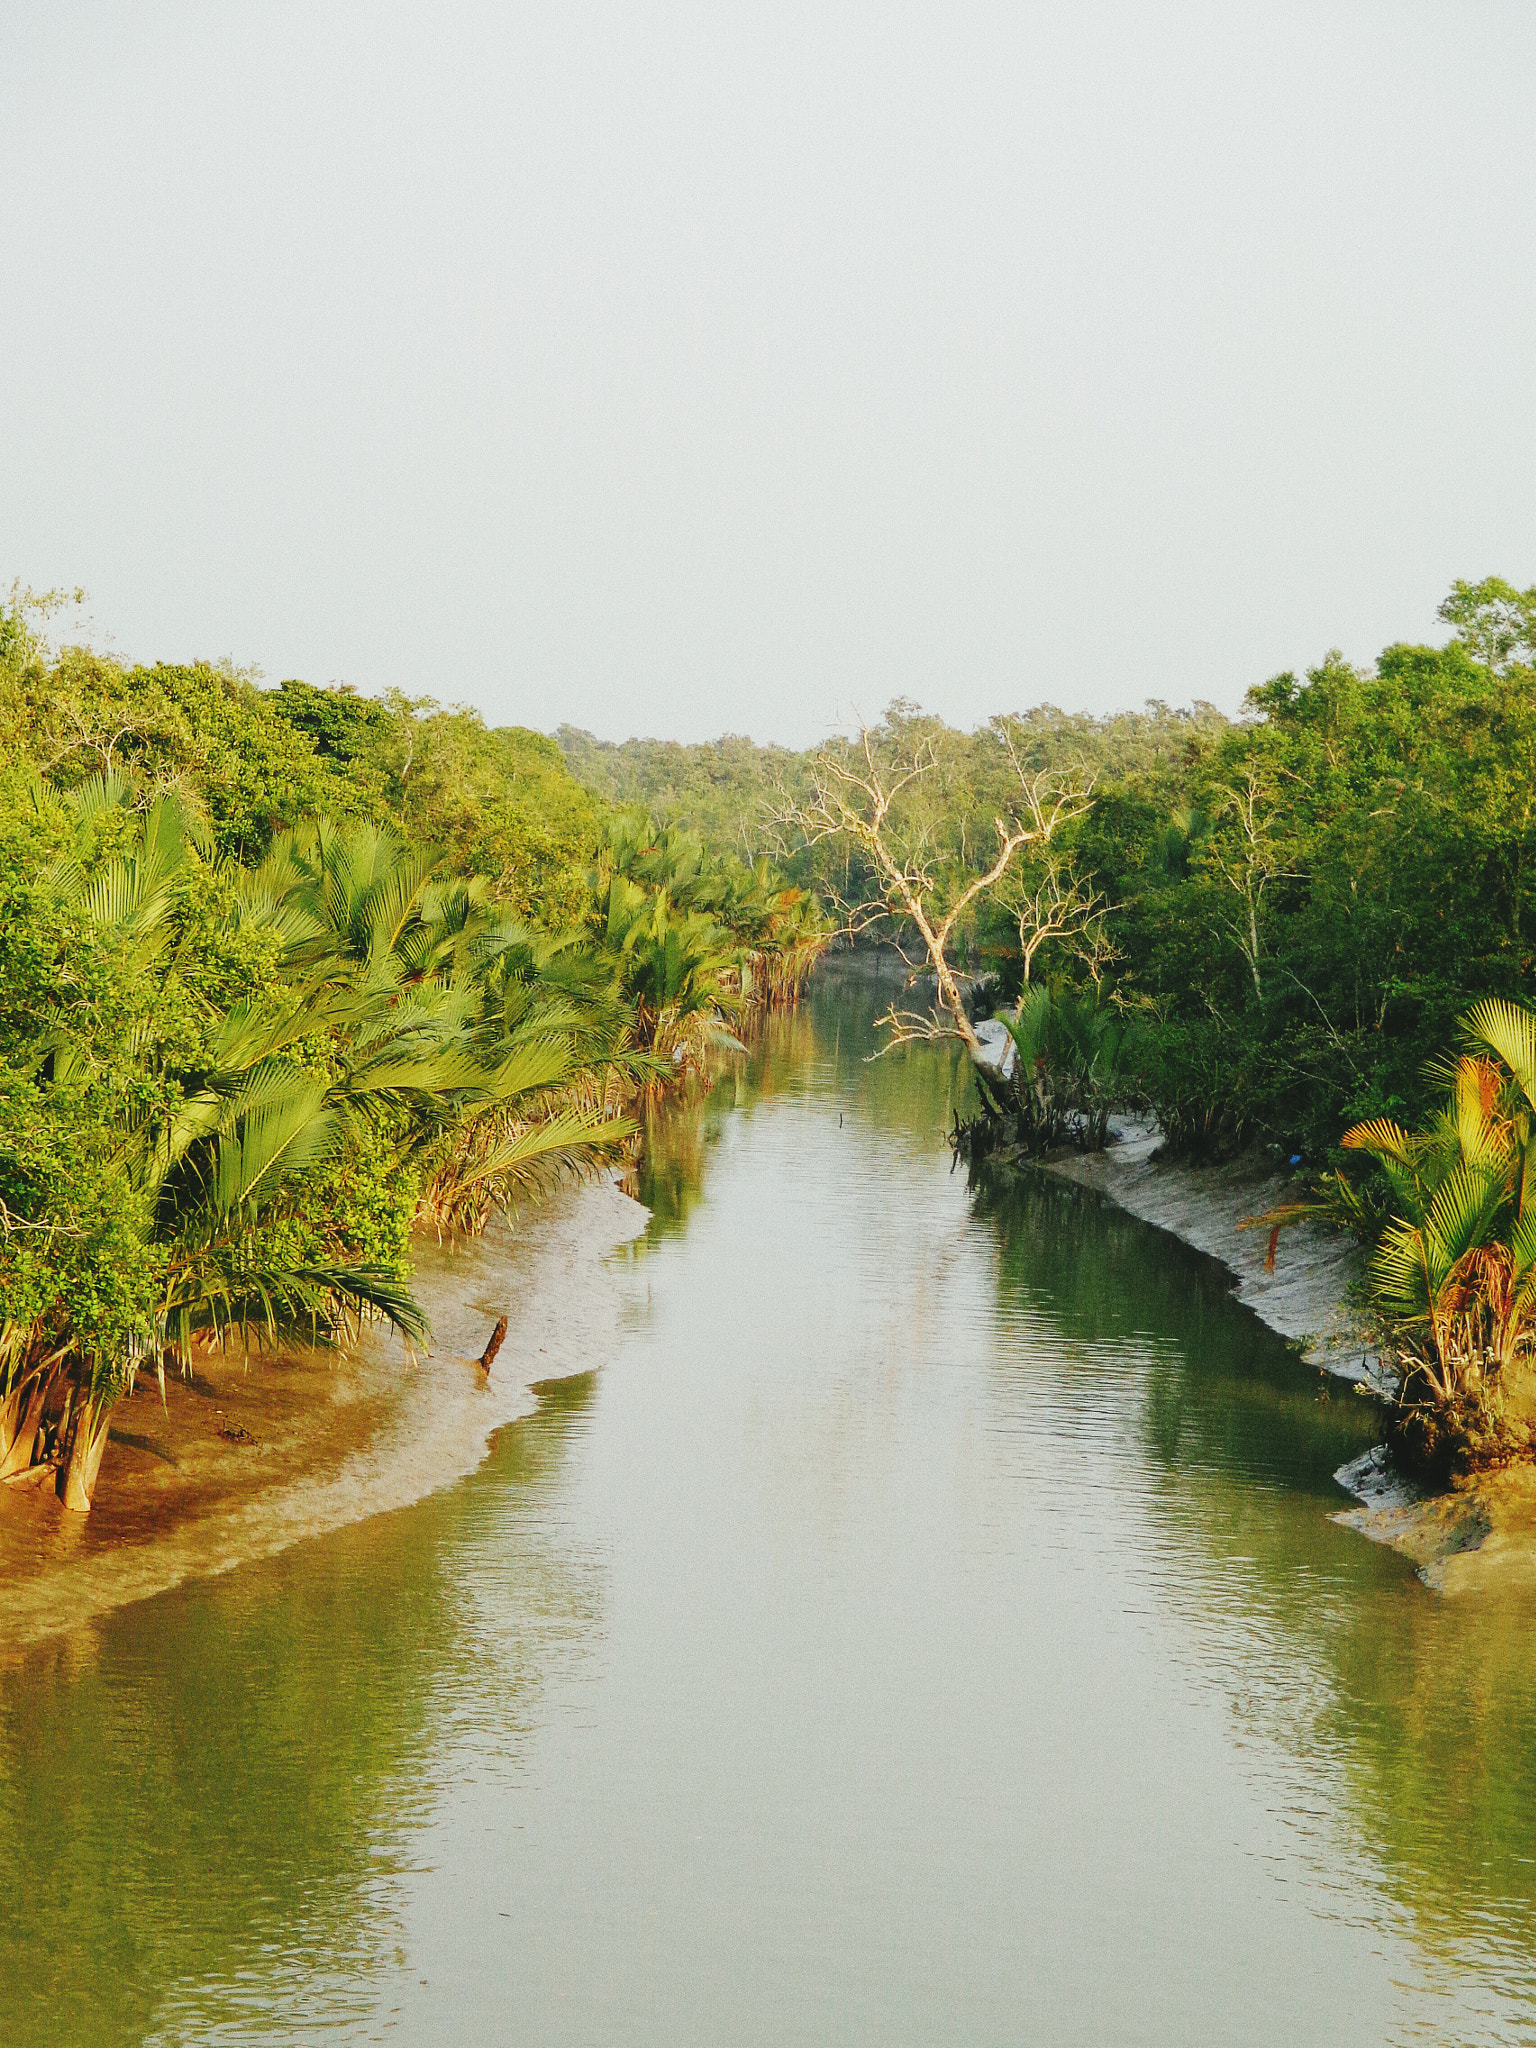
(1221, 1390)
(207, 1801)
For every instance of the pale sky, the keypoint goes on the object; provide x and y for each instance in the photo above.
(681, 370)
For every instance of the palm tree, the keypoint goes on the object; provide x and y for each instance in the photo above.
(1068, 1073)
(238, 1137)
(503, 1057)
(397, 1011)
(776, 933)
(1453, 1270)
(397, 1005)
(1444, 1272)
(679, 972)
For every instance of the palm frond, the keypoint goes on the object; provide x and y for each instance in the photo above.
(1508, 1030)
(1465, 1209)
(1381, 1137)
(496, 1164)
(272, 1144)
(1408, 1270)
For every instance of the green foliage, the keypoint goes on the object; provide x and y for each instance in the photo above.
(697, 940)
(1494, 622)
(73, 1262)
(285, 973)
(199, 728)
(1296, 906)
(358, 1209)
(1304, 911)
(498, 802)
(282, 969)
(226, 1086)
(726, 790)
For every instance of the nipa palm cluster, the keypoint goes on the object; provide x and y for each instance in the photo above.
(1452, 1275)
(228, 1093)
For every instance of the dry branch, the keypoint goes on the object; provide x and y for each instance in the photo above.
(869, 795)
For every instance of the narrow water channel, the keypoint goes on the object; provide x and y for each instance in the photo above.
(928, 1629)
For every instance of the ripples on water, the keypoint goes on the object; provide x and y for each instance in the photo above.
(929, 1628)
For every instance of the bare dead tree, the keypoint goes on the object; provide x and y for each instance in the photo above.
(881, 801)
(95, 737)
(1061, 906)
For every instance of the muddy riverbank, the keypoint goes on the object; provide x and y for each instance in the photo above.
(242, 1460)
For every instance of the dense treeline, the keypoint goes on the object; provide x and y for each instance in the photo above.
(1287, 911)
(1322, 892)
(286, 973)
(726, 790)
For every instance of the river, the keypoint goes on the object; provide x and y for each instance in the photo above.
(928, 1628)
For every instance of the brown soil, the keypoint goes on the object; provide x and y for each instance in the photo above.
(245, 1457)
(1479, 1535)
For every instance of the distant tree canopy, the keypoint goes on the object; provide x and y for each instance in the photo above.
(1297, 904)
(722, 789)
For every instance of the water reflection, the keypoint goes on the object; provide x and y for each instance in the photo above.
(828, 1053)
(1220, 1390)
(209, 1802)
(1416, 1715)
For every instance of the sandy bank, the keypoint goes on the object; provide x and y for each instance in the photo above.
(241, 1462)
(1482, 1533)
(1477, 1537)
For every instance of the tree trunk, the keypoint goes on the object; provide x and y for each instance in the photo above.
(88, 1439)
(1253, 947)
(21, 1416)
(12, 1423)
(954, 1002)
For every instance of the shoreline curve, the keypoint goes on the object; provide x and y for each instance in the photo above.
(1477, 1536)
(242, 1461)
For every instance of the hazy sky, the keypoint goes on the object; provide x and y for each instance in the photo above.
(684, 369)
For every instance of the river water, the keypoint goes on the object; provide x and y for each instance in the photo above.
(929, 1628)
